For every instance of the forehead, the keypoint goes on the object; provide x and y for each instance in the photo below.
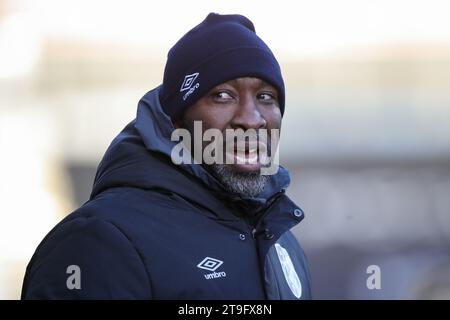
(247, 81)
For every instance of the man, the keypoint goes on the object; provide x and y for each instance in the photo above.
(158, 229)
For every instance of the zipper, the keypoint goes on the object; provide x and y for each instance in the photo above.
(254, 233)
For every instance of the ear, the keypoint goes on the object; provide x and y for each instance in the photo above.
(177, 123)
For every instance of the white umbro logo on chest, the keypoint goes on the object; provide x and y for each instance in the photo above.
(212, 264)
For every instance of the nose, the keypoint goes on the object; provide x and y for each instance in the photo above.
(248, 115)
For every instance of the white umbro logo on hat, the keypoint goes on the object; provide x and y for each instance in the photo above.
(188, 84)
(188, 81)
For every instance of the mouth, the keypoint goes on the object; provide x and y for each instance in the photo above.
(247, 157)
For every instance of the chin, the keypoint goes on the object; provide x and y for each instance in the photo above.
(245, 168)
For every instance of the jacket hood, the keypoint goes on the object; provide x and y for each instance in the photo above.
(139, 157)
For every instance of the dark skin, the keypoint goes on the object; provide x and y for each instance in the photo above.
(245, 103)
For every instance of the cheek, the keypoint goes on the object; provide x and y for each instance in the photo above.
(209, 116)
(213, 118)
(273, 119)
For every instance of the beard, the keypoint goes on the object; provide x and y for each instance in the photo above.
(246, 184)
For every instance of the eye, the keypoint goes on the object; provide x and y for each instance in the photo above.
(222, 96)
(266, 96)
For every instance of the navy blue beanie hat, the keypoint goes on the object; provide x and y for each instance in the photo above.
(219, 49)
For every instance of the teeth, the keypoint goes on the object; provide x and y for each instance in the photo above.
(245, 149)
(250, 157)
(246, 155)
(253, 159)
(254, 149)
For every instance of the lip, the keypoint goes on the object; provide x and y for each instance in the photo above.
(247, 159)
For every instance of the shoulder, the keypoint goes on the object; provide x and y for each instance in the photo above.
(102, 253)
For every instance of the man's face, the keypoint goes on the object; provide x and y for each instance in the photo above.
(242, 103)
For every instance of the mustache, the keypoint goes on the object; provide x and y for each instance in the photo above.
(239, 136)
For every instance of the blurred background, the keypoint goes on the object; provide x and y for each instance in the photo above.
(366, 133)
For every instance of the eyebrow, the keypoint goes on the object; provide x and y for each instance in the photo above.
(259, 82)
